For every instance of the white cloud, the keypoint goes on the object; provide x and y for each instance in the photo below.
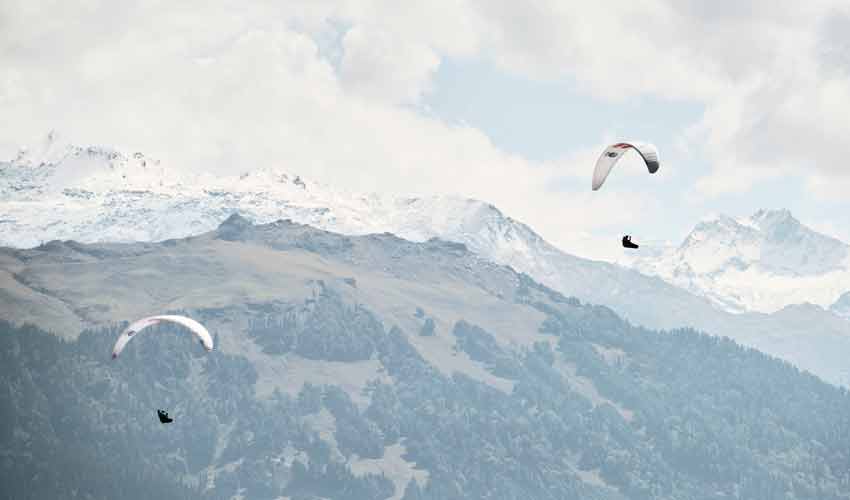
(220, 85)
(829, 188)
(380, 65)
(774, 77)
(212, 86)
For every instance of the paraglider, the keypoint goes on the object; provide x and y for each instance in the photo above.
(614, 152)
(610, 157)
(163, 417)
(627, 242)
(193, 326)
(196, 328)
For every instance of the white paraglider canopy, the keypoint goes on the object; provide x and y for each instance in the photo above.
(196, 328)
(614, 152)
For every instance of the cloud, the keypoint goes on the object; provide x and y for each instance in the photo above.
(833, 44)
(329, 89)
(774, 77)
(829, 188)
(380, 66)
(220, 87)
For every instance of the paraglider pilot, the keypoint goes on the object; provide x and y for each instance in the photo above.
(163, 417)
(627, 242)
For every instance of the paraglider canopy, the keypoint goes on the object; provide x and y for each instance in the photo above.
(196, 328)
(613, 153)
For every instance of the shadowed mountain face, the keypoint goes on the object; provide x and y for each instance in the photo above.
(371, 368)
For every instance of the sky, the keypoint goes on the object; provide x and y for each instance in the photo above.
(508, 102)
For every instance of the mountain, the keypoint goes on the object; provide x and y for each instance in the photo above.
(101, 195)
(759, 263)
(372, 367)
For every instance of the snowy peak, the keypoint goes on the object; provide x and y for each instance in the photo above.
(773, 217)
(49, 151)
(758, 263)
(66, 169)
(791, 247)
(75, 171)
(773, 240)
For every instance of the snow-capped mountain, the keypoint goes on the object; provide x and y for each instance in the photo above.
(98, 194)
(101, 195)
(759, 263)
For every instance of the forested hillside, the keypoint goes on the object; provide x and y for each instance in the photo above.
(594, 409)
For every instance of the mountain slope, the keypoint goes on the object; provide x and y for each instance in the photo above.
(759, 263)
(325, 382)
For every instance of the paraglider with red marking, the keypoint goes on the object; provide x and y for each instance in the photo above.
(611, 156)
(614, 152)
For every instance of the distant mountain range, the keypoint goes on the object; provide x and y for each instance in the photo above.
(95, 194)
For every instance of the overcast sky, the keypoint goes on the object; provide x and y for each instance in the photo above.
(506, 101)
